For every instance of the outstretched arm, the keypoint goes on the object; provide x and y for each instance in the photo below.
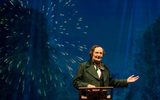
(132, 78)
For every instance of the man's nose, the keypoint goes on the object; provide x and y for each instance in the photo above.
(99, 54)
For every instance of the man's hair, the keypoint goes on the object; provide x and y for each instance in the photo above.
(93, 48)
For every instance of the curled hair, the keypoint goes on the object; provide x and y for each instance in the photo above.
(92, 50)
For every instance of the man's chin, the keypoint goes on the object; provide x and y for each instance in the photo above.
(97, 61)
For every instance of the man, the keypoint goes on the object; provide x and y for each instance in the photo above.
(94, 73)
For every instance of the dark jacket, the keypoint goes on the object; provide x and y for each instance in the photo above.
(87, 74)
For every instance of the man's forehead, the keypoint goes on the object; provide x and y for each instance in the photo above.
(98, 49)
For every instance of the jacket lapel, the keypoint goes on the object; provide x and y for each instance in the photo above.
(91, 70)
(105, 73)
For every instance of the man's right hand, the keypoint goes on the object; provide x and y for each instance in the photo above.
(91, 86)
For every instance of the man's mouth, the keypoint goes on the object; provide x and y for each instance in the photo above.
(98, 57)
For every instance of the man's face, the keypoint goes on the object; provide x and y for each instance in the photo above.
(97, 54)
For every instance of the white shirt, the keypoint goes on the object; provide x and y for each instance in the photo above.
(98, 71)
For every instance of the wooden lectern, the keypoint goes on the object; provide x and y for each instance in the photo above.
(96, 93)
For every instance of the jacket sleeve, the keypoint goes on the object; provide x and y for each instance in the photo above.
(78, 79)
(118, 82)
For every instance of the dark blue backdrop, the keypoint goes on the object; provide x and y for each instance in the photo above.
(42, 43)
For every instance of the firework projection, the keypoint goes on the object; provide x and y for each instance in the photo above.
(36, 60)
